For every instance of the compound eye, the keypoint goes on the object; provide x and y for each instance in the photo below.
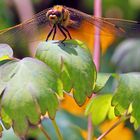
(58, 14)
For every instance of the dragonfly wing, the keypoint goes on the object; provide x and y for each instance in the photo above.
(28, 31)
(131, 28)
(108, 27)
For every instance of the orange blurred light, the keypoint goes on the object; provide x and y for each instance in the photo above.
(119, 133)
(69, 104)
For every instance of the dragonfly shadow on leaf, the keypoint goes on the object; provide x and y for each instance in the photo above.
(71, 49)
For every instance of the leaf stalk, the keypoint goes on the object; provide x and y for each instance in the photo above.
(44, 131)
(59, 135)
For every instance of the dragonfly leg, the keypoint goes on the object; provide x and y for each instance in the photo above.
(50, 33)
(67, 32)
(61, 29)
(54, 32)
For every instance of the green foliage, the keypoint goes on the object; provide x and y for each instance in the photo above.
(124, 99)
(101, 81)
(28, 89)
(5, 15)
(7, 122)
(121, 6)
(100, 108)
(74, 65)
(36, 1)
(127, 97)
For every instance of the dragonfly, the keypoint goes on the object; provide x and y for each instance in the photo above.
(61, 22)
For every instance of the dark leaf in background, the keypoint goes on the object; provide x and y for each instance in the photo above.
(127, 56)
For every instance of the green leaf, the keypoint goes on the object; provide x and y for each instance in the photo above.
(73, 63)
(6, 52)
(4, 61)
(1, 129)
(6, 121)
(101, 81)
(28, 89)
(99, 108)
(127, 96)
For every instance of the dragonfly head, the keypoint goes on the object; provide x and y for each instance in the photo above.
(56, 14)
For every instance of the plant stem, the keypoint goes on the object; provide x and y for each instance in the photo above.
(97, 51)
(59, 135)
(44, 131)
(96, 55)
(90, 128)
(123, 118)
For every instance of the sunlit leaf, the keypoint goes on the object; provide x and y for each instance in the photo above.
(28, 90)
(99, 108)
(73, 63)
(6, 121)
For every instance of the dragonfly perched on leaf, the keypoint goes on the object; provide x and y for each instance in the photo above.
(61, 22)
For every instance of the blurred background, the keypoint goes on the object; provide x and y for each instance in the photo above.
(117, 56)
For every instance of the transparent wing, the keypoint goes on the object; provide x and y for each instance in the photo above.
(29, 30)
(130, 28)
(107, 26)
